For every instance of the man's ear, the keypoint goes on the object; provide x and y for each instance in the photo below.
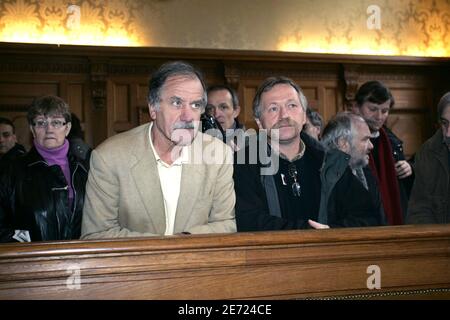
(152, 111)
(69, 126)
(236, 111)
(355, 109)
(259, 124)
(32, 131)
(343, 145)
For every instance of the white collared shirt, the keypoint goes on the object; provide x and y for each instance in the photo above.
(170, 181)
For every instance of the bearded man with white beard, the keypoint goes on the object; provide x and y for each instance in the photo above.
(350, 196)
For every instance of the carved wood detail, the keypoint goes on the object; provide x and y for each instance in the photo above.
(351, 78)
(99, 73)
(232, 75)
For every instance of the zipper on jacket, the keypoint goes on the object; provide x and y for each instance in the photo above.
(56, 213)
(74, 194)
(60, 189)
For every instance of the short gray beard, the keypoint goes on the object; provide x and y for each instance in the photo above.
(358, 163)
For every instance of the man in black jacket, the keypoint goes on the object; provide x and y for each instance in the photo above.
(277, 181)
(350, 195)
(9, 148)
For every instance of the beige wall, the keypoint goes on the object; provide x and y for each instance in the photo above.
(420, 28)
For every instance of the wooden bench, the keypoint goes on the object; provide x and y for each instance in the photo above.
(413, 262)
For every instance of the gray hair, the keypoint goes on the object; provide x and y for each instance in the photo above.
(444, 102)
(48, 106)
(234, 96)
(315, 118)
(267, 85)
(167, 70)
(339, 127)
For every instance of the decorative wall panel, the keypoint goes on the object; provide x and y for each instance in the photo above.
(401, 27)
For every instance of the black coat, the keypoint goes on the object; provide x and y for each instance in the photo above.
(15, 152)
(252, 208)
(351, 205)
(35, 197)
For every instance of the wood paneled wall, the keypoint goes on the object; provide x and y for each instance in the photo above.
(107, 86)
(413, 262)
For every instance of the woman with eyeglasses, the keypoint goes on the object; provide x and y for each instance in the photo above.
(42, 193)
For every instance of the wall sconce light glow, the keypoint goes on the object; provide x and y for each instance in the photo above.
(361, 47)
(26, 33)
(22, 25)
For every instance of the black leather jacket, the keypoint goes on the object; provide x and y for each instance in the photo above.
(35, 197)
(15, 152)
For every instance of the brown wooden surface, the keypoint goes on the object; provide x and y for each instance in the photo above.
(107, 86)
(414, 262)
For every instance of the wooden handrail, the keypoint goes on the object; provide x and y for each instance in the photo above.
(288, 264)
(213, 54)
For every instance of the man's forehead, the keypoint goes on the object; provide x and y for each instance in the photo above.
(182, 84)
(362, 128)
(222, 96)
(5, 127)
(49, 116)
(446, 113)
(280, 92)
(384, 105)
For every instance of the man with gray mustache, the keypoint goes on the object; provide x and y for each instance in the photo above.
(155, 179)
(288, 197)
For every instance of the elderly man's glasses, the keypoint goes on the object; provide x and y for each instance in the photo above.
(55, 123)
(296, 189)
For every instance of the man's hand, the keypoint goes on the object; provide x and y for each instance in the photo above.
(403, 169)
(317, 225)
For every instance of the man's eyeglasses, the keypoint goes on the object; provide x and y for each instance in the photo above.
(55, 123)
(296, 189)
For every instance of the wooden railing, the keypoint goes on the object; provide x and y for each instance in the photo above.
(413, 261)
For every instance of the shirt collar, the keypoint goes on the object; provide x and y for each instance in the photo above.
(184, 154)
(298, 156)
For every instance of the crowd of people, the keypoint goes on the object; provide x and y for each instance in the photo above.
(195, 169)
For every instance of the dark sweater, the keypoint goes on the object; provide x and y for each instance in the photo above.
(15, 152)
(252, 209)
(307, 205)
(351, 205)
